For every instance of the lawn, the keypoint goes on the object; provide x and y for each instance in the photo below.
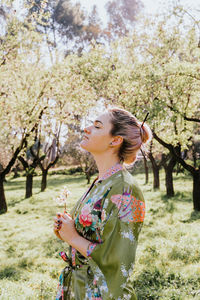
(168, 256)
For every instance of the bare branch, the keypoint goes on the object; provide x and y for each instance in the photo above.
(173, 151)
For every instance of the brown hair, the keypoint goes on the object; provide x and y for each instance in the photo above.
(135, 134)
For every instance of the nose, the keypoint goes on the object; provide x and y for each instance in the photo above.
(87, 130)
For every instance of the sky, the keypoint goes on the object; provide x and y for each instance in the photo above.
(150, 6)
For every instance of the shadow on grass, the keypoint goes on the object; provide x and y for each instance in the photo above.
(12, 203)
(150, 283)
(52, 247)
(60, 181)
(14, 185)
(181, 176)
(195, 215)
(178, 197)
(10, 272)
(51, 182)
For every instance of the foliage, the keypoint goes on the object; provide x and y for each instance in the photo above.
(66, 23)
(82, 158)
(122, 16)
(155, 69)
(35, 97)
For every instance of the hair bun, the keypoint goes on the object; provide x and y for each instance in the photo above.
(145, 132)
(135, 134)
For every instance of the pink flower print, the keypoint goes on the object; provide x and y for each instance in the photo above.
(117, 200)
(85, 218)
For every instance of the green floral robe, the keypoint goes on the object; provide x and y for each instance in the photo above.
(110, 215)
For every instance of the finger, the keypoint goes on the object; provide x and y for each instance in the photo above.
(57, 234)
(66, 213)
(66, 216)
(58, 221)
(56, 230)
(63, 218)
(57, 226)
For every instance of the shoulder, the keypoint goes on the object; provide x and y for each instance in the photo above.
(127, 200)
(126, 183)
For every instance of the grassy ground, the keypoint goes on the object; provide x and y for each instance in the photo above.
(168, 257)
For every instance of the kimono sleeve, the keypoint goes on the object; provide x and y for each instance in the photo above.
(112, 261)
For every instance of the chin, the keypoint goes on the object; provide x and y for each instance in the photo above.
(83, 145)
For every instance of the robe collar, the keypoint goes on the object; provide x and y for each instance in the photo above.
(114, 169)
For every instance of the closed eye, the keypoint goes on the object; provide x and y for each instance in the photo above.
(95, 124)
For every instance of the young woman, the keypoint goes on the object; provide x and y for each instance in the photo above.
(103, 227)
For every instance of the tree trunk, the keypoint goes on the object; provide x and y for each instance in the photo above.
(146, 170)
(194, 172)
(29, 185)
(156, 178)
(87, 174)
(169, 176)
(155, 167)
(3, 205)
(44, 180)
(196, 190)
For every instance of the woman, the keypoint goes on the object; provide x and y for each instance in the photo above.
(103, 227)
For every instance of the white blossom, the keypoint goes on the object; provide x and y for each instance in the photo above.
(62, 198)
(124, 271)
(128, 234)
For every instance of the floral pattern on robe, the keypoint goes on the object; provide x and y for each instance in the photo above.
(110, 215)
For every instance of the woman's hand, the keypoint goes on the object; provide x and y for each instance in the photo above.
(67, 231)
(64, 227)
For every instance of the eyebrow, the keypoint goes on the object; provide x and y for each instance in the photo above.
(98, 121)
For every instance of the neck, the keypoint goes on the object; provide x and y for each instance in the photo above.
(105, 162)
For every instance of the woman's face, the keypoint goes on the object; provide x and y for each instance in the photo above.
(97, 137)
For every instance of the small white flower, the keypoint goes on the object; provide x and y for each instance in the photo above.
(128, 234)
(123, 285)
(104, 286)
(62, 198)
(66, 192)
(130, 271)
(124, 272)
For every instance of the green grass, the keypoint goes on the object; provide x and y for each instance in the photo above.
(168, 256)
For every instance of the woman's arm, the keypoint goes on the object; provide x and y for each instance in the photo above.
(64, 229)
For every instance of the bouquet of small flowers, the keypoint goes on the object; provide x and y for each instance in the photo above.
(61, 200)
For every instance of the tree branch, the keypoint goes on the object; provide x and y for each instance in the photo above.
(191, 119)
(172, 150)
(183, 115)
(24, 163)
(13, 159)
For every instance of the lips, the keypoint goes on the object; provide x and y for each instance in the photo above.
(85, 137)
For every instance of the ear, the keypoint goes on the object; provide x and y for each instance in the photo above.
(117, 140)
